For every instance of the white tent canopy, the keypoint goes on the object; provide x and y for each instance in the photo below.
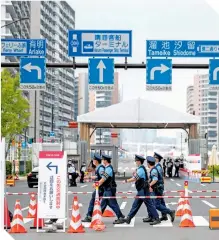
(138, 113)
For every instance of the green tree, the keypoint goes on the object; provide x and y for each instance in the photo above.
(14, 107)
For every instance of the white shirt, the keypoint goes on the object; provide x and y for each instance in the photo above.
(71, 170)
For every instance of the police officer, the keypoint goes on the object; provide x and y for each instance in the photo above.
(157, 188)
(164, 167)
(177, 165)
(169, 168)
(99, 170)
(82, 172)
(142, 186)
(108, 183)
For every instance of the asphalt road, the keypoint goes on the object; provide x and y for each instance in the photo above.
(166, 230)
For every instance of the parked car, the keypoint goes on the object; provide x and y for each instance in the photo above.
(32, 178)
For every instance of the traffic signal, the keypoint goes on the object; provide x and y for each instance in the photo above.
(73, 125)
(30, 141)
(114, 135)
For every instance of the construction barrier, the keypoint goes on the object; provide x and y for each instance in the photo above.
(10, 181)
(214, 219)
(206, 180)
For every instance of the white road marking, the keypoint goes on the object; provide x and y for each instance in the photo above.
(189, 191)
(203, 185)
(83, 186)
(179, 185)
(133, 185)
(132, 224)
(172, 180)
(23, 209)
(86, 224)
(123, 205)
(27, 220)
(209, 204)
(200, 221)
(167, 223)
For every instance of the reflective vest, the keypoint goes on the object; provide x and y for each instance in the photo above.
(142, 183)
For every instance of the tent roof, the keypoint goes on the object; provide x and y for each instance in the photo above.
(138, 113)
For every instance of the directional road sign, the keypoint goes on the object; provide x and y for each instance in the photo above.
(32, 73)
(159, 75)
(214, 74)
(23, 47)
(182, 49)
(99, 43)
(52, 134)
(101, 74)
(52, 184)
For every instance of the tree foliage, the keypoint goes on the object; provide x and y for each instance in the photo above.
(14, 106)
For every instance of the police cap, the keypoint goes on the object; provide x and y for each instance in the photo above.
(156, 155)
(150, 159)
(106, 157)
(139, 158)
(97, 157)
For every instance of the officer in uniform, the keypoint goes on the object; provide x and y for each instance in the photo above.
(109, 185)
(82, 172)
(99, 171)
(177, 165)
(157, 188)
(170, 168)
(142, 186)
(164, 167)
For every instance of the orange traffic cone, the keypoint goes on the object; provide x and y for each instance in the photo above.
(179, 211)
(186, 219)
(75, 224)
(7, 222)
(97, 223)
(32, 207)
(40, 222)
(17, 225)
(108, 212)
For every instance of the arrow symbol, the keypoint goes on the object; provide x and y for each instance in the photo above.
(49, 166)
(101, 66)
(28, 67)
(215, 73)
(163, 68)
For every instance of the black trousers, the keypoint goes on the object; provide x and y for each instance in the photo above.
(82, 177)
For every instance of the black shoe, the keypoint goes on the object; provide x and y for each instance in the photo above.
(148, 219)
(119, 221)
(87, 219)
(128, 220)
(164, 218)
(172, 215)
(155, 222)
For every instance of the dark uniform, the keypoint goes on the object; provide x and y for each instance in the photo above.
(82, 172)
(170, 168)
(98, 172)
(177, 165)
(158, 189)
(142, 188)
(164, 167)
(109, 187)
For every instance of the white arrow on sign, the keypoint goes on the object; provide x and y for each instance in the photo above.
(216, 70)
(101, 66)
(28, 67)
(163, 68)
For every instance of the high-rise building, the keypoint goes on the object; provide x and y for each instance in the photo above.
(50, 20)
(190, 99)
(206, 105)
(83, 94)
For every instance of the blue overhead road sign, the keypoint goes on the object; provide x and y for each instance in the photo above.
(159, 75)
(182, 49)
(99, 43)
(23, 47)
(32, 73)
(101, 74)
(214, 74)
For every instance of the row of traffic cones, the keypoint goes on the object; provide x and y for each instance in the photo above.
(184, 211)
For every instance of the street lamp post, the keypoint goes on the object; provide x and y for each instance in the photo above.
(17, 20)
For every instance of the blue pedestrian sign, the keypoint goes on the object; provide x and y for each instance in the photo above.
(182, 49)
(102, 43)
(159, 75)
(214, 74)
(33, 73)
(52, 134)
(24, 145)
(23, 47)
(101, 74)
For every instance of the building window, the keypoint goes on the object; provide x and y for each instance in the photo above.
(212, 106)
(212, 120)
(212, 134)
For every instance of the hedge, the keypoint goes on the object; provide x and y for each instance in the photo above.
(8, 168)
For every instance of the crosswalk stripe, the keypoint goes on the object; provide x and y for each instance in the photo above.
(83, 186)
(200, 221)
(133, 185)
(179, 185)
(123, 205)
(209, 204)
(167, 223)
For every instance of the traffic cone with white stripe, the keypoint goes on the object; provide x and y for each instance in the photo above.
(76, 224)
(17, 225)
(108, 212)
(7, 222)
(32, 207)
(187, 219)
(40, 222)
(179, 211)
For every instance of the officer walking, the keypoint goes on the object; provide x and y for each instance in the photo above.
(157, 188)
(170, 168)
(109, 185)
(164, 167)
(82, 172)
(99, 170)
(177, 165)
(142, 186)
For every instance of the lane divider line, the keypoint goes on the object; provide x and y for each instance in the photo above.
(179, 185)
(172, 180)
(209, 204)
(83, 186)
